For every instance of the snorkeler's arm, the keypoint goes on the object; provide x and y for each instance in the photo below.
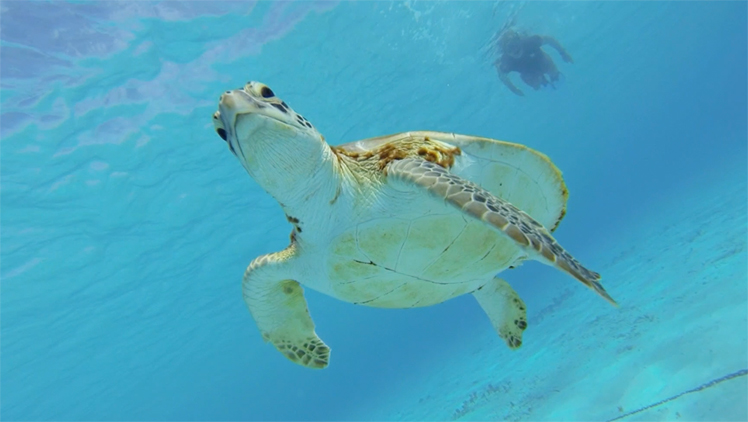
(504, 77)
(555, 44)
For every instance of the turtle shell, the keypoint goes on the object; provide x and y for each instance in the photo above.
(514, 172)
(407, 248)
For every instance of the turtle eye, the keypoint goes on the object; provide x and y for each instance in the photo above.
(266, 92)
(222, 133)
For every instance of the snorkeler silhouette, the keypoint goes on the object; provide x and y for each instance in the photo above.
(522, 53)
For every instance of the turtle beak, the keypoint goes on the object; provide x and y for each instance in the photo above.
(220, 126)
(235, 102)
(235, 105)
(232, 104)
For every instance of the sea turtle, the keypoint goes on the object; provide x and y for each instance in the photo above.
(399, 221)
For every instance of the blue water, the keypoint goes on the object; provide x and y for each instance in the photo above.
(126, 224)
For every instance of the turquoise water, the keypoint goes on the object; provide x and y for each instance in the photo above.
(126, 224)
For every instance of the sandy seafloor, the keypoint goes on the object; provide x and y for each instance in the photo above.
(680, 277)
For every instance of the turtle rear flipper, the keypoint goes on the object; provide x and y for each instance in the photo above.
(279, 308)
(505, 309)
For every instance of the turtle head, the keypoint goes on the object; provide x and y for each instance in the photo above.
(278, 147)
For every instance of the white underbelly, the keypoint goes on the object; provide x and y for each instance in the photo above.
(399, 263)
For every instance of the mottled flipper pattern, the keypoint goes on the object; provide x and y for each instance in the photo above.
(481, 204)
(279, 308)
(505, 309)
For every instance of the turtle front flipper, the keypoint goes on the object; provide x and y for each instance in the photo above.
(505, 309)
(477, 202)
(279, 308)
